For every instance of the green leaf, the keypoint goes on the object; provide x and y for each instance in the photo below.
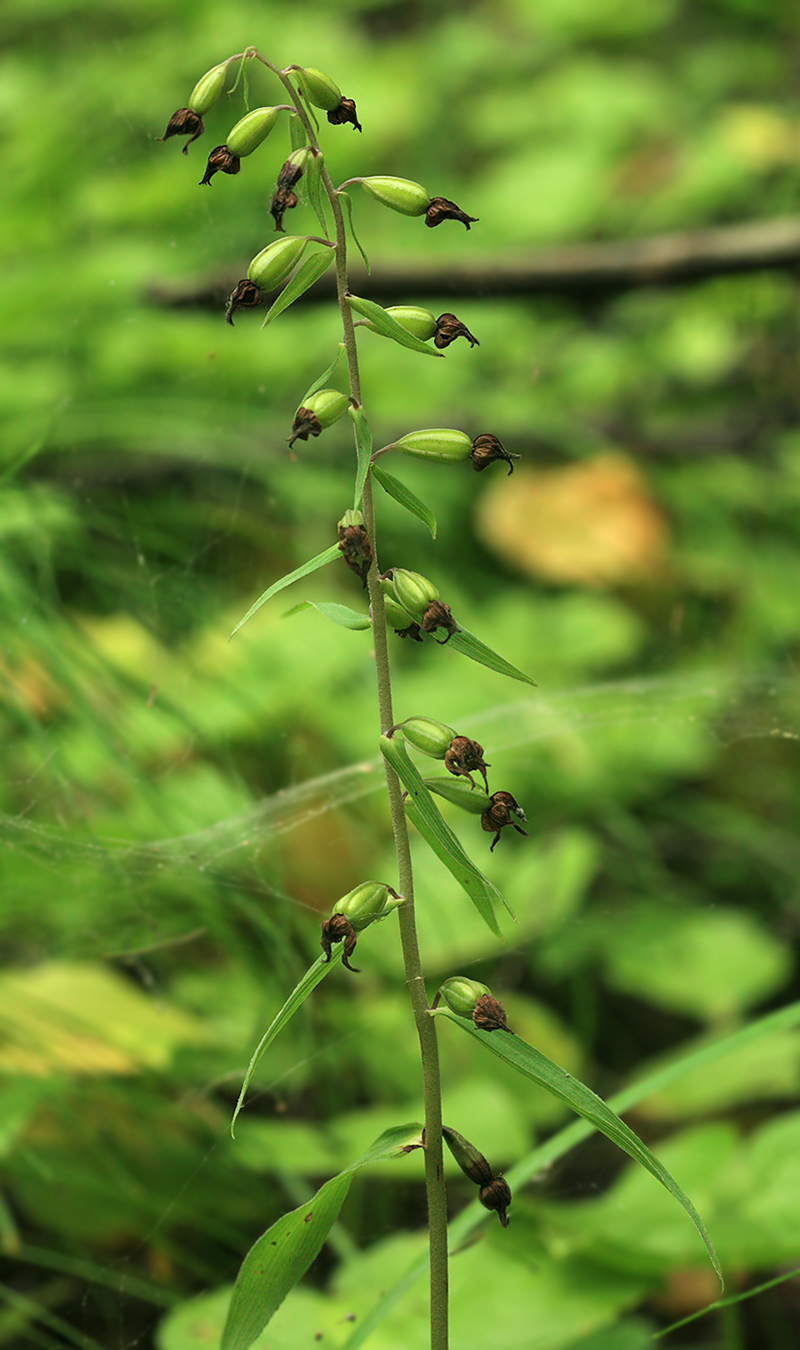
(311, 179)
(313, 976)
(364, 449)
(305, 570)
(394, 488)
(388, 326)
(297, 132)
(531, 1063)
(325, 376)
(348, 201)
(339, 614)
(305, 276)
(283, 1254)
(466, 643)
(423, 812)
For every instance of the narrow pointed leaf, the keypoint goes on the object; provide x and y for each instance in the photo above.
(282, 1255)
(313, 976)
(423, 812)
(405, 497)
(580, 1098)
(305, 276)
(338, 614)
(364, 450)
(325, 376)
(311, 178)
(305, 570)
(388, 326)
(467, 643)
(297, 132)
(348, 202)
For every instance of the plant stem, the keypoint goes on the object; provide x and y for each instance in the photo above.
(426, 1028)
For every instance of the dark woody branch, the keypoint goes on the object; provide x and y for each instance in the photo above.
(580, 271)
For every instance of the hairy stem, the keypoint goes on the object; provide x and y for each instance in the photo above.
(426, 1028)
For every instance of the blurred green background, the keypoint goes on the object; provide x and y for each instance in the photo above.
(176, 813)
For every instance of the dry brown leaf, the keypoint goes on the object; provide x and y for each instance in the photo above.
(593, 523)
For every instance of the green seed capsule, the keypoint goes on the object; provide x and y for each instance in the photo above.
(251, 130)
(459, 792)
(401, 194)
(469, 1158)
(328, 405)
(441, 445)
(274, 263)
(419, 322)
(364, 904)
(397, 617)
(208, 89)
(320, 89)
(461, 994)
(413, 591)
(432, 738)
(351, 518)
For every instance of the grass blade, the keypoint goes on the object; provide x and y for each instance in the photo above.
(307, 273)
(389, 327)
(405, 497)
(423, 812)
(305, 570)
(338, 614)
(531, 1063)
(283, 1254)
(364, 449)
(467, 643)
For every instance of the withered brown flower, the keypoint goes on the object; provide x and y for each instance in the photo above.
(335, 929)
(245, 295)
(356, 549)
(489, 1014)
(346, 112)
(448, 328)
(184, 122)
(486, 449)
(463, 756)
(305, 424)
(438, 615)
(442, 209)
(498, 814)
(220, 161)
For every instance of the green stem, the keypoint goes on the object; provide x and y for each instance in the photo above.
(426, 1028)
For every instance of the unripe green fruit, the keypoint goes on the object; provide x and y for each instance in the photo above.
(351, 518)
(396, 616)
(439, 444)
(459, 792)
(251, 130)
(419, 322)
(413, 591)
(208, 89)
(299, 158)
(432, 738)
(401, 194)
(461, 994)
(328, 405)
(320, 89)
(274, 263)
(364, 904)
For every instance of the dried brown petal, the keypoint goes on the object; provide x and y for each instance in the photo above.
(439, 615)
(496, 1194)
(283, 199)
(245, 295)
(305, 424)
(413, 631)
(356, 549)
(336, 929)
(441, 209)
(498, 814)
(489, 1014)
(220, 161)
(184, 122)
(346, 112)
(448, 328)
(486, 449)
(463, 756)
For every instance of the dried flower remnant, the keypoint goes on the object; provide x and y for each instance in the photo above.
(463, 757)
(345, 112)
(337, 929)
(486, 449)
(496, 1195)
(245, 295)
(220, 161)
(490, 1015)
(442, 209)
(354, 544)
(319, 411)
(436, 616)
(184, 122)
(448, 328)
(283, 198)
(498, 815)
